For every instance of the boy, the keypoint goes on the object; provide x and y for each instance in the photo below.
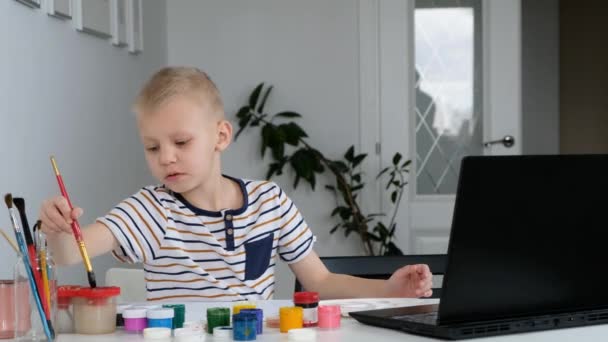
(226, 251)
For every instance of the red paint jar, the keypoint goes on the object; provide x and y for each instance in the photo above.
(308, 301)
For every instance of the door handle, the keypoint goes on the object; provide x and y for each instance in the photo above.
(508, 141)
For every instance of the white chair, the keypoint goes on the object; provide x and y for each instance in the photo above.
(131, 282)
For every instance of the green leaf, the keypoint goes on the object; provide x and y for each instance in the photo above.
(244, 111)
(287, 115)
(350, 153)
(340, 166)
(392, 249)
(242, 125)
(257, 120)
(357, 187)
(264, 98)
(394, 196)
(278, 150)
(358, 159)
(357, 178)
(274, 168)
(293, 133)
(396, 158)
(392, 231)
(255, 94)
(345, 213)
(333, 230)
(330, 188)
(267, 133)
(406, 163)
(382, 172)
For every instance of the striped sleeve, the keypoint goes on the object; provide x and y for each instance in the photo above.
(138, 224)
(296, 239)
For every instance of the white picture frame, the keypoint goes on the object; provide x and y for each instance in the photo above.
(118, 22)
(30, 3)
(135, 35)
(92, 17)
(61, 9)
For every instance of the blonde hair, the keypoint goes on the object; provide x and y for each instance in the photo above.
(169, 82)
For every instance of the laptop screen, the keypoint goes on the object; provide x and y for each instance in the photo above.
(529, 236)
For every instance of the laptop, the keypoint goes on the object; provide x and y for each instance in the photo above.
(528, 250)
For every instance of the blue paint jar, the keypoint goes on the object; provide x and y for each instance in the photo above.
(244, 326)
(160, 318)
(259, 315)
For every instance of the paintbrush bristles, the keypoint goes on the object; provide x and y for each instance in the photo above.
(8, 198)
(20, 204)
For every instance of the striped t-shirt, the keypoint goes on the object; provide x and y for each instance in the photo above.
(193, 254)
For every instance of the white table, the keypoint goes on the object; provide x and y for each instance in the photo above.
(353, 331)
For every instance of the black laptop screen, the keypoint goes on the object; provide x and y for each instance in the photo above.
(529, 236)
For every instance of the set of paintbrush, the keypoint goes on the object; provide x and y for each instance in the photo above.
(29, 249)
(37, 274)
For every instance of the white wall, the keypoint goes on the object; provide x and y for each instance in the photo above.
(69, 94)
(309, 51)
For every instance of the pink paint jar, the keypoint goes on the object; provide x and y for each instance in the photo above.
(8, 323)
(135, 320)
(329, 316)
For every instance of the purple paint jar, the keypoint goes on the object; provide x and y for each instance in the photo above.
(135, 320)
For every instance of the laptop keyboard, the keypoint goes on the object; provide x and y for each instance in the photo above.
(425, 318)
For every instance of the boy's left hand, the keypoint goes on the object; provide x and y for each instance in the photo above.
(410, 281)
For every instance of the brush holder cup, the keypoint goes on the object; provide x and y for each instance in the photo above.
(28, 326)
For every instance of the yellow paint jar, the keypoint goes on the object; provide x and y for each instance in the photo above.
(290, 318)
(244, 305)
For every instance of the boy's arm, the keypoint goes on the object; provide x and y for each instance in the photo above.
(98, 240)
(408, 281)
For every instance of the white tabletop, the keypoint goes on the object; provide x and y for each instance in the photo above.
(353, 331)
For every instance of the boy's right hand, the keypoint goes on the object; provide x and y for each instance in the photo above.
(56, 215)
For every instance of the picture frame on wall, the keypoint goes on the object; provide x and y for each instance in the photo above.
(118, 22)
(61, 9)
(92, 17)
(30, 3)
(135, 38)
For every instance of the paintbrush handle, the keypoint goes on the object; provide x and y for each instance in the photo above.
(10, 241)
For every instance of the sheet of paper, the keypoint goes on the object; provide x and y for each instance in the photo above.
(363, 304)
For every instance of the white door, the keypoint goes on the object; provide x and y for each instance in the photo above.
(448, 80)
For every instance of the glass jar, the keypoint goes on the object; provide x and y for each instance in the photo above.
(95, 310)
(64, 322)
(45, 281)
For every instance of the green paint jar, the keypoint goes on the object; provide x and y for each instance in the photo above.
(217, 317)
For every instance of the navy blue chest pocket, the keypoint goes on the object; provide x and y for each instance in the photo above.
(257, 257)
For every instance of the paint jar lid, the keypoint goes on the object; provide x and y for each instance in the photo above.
(160, 314)
(303, 334)
(134, 313)
(98, 292)
(122, 307)
(157, 333)
(222, 332)
(305, 297)
(187, 335)
(218, 312)
(329, 310)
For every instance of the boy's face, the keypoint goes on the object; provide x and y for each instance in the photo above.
(182, 141)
